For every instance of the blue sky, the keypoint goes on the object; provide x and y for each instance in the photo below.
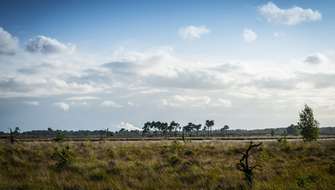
(102, 62)
(144, 24)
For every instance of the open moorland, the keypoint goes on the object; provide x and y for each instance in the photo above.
(79, 165)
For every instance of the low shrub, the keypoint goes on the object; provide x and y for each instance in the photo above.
(63, 157)
(59, 137)
(331, 168)
(306, 181)
(283, 144)
(188, 152)
(174, 160)
(97, 175)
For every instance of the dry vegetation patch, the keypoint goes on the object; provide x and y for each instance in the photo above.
(164, 165)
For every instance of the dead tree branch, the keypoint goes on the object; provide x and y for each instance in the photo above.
(245, 165)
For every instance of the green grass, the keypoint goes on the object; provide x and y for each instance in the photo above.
(163, 165)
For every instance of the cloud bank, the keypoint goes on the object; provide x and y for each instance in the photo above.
(8, 43)
(291, 16)
(47, 45)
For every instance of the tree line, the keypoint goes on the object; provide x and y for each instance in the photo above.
(158, 128)
(307, 126)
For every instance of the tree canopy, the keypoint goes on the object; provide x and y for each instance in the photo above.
(308, 125)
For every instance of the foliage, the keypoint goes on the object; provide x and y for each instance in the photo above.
(293, 130)
(282, 139)
(159, 126)
(209, 125)
(84, 134)
(174, 126)
(272, 132)
(283, 144)
(63, 158)
(308, 125)
(224, 129)
(189, 128)
(59, 137)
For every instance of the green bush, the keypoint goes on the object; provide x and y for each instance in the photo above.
(176, 146)
(63, 158)
(283, 143)
(174, 160)
(188, 153)
(59, 137)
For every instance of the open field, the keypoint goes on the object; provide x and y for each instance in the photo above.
(164, 165)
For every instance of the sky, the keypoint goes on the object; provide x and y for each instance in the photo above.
(94, 65)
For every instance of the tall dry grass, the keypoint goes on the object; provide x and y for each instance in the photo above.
(163, 165)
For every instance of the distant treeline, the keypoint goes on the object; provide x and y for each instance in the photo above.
(187, 130)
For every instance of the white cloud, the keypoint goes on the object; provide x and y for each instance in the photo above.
(36, 86)
(316, 58)
(185, 100)
(8, 43)
(152, 91)
(127, 126)
(249, 35)
(82, 98)
(160, 76)
(291, 16)
(193, 32)
(318, 80)
(109, 103)
(32, 103)
(162, 69)
(153, 74)
(195, 101)
(47, 45)
(224, 102)
(184, 78)
(63, 106)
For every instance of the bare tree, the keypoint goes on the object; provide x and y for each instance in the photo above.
(245, 164)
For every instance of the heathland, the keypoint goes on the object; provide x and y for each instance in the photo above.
(103, 165)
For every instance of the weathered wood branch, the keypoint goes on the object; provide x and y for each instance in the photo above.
(245, 166)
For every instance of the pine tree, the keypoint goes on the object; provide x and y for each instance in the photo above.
(308, 125)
